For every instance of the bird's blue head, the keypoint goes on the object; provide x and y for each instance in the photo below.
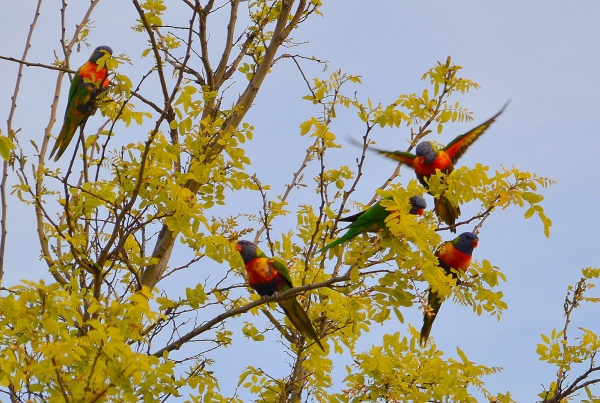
(466, 242)
(426, 150)
(99, 52)
(418, 204)
(247, 249)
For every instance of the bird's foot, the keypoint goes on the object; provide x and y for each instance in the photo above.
(272, 297)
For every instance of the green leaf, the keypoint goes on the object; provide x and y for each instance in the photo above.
(354, 274)
(530, 212)
(5, 146)
(462, 356)
(305, 127)
(532, 198)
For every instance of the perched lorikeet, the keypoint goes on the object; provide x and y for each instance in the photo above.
(455, 254)
(268, 276)
(372, 220)
(428, 158)
(89, 82)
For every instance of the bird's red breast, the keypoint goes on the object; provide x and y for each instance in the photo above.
(442, 162)
(450, 256)
(261, 271)
(91, 72)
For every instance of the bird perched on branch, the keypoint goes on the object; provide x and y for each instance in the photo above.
(89, 82)
(372, 220)
(429, 158)
(268, 276)
(455, 254)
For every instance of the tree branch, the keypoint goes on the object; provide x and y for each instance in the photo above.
(237, 311)
(222, 67)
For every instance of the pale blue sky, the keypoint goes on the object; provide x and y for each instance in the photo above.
(544, 55)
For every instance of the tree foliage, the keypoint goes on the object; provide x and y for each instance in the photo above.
(117, 219)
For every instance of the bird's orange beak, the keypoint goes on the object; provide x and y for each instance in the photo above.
(475, 243)
(238, 247)
(420, 211)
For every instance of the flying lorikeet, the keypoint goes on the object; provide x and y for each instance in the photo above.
(89, 82)
(268, 276)
(428, 158)
(372, 220)
(455, 254)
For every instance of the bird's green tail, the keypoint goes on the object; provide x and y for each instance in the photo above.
(434, 304)
(64, 138)
(446, 211)
(347, 236)
(300, 319)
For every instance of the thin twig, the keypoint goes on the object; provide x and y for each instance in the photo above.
(31, 64)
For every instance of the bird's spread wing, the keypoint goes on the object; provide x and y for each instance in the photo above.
(457, 147)
(401, 156)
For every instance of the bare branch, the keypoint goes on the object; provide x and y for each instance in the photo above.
(30, 64)
(202, 14)
(221, 68)
(13, 107)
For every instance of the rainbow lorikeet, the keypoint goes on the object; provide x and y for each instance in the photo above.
(372, 220)
(89, 81)
(428, 158)
(455, 254)
(268, 276)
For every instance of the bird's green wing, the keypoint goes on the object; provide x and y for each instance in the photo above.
(78, 93)
(283, 270)
(370, 219)
(457, 147)
(73, 88)
(277, 265)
